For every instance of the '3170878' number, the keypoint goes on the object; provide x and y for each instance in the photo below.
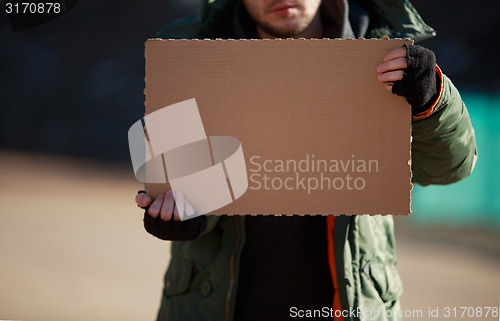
(32, 7)
(470, 312)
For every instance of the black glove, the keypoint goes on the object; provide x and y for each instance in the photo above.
(175, 230)
(420, 83)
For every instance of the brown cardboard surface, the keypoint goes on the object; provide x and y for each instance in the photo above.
(307, 112)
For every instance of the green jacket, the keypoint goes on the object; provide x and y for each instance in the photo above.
(202, 278)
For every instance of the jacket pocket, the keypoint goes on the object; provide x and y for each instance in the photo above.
(178, 277)
(385, 279)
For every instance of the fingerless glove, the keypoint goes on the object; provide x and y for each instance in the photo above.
(175, 230)
(420, 82)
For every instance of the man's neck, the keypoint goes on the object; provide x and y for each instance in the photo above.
(313, 30)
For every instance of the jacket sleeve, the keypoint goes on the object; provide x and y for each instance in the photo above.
(444, 146)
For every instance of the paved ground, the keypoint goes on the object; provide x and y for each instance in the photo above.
(448, 268)
(72, 247)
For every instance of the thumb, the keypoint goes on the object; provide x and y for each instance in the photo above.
(143, 200)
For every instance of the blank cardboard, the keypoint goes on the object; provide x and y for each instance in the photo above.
(319, 133)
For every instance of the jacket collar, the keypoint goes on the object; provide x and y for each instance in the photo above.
(393, 18)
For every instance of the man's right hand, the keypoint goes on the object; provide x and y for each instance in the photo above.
(163, 205)
(162, 218)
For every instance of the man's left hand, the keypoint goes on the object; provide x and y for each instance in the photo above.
(392, 69)
(411, 72)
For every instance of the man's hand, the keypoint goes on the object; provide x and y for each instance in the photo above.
(163, 205)
(410, 71)
(162, 216)
(166, 205)
(392, 69)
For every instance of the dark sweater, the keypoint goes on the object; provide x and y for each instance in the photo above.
(284, 264)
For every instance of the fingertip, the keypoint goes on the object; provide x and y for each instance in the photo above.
(169, 195)
(155, 207)
(142, 199)
(153, 212)
(179, 202)
(167, 206)
(165, 216)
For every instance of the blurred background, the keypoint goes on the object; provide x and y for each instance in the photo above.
(72, 246)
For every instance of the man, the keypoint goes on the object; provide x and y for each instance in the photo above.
(271, 268)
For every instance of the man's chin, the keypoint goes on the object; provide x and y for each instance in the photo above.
(283, 32)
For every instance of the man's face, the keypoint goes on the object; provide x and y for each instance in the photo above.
(282, 18)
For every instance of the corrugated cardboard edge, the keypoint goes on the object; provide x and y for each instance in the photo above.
(279, 39)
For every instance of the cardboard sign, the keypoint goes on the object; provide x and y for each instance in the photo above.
(315, 131)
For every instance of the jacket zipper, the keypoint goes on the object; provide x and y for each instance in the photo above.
(232, 271)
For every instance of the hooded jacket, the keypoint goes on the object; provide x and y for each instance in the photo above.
(202, 280)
